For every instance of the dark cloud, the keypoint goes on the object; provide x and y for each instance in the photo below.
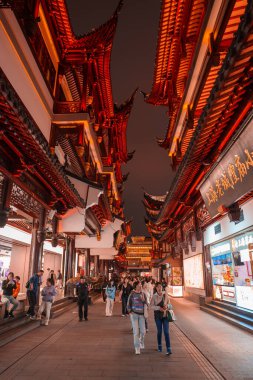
(132, 65)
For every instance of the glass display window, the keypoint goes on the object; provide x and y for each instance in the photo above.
(193, 272)
(222, 264)
(175, 280)
(232, 268)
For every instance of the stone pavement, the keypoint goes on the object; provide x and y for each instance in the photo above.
(227, 347)
(102, 348)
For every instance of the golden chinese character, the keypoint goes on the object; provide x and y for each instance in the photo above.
(219, 190)
(212, 195)
(225, 183)
(249, 161)
(209, 198)
(242, 169)
(232, 174)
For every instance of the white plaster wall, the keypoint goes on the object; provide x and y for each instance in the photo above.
(191, 253)
(52, 261)
(229, 228)
(106, 237)
(20, 259)
(20, 67)
(104, 253)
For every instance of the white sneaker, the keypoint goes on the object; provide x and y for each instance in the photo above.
(137, 351)
(46, 323)
(142, 345)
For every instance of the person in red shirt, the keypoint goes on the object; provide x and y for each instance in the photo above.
(17, 290)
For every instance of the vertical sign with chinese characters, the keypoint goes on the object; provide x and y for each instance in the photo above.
(232, 177)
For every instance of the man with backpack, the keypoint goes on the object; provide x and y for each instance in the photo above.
(33, 286)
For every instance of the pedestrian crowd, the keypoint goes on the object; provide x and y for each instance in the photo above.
(11, 290)
(139, 296)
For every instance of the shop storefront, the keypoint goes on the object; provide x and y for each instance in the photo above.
(173, 273)
(231, 258)
(230, 240)
(232, 264)
(193, 276)
(15, 252)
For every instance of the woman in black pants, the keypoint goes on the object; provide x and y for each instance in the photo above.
(159, 304)
(124, 294)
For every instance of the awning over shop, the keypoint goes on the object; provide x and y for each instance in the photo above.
(23, 237)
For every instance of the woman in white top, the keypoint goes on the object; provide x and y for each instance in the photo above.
(159, 304)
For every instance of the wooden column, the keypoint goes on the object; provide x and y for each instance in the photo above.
(106, 268)
(69, 273)
(66, 262)
(63, 267)
(101, 266)
(38, 238)
(73, 257)
(34, 247)
(67, 254)
(96, 265)
(87, 262)
(208, 271)
(5, 201)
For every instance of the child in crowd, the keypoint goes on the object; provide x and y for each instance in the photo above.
(48, 293)
(17, 290)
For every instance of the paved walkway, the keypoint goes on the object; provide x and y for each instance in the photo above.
(229, 348)
(102, 348)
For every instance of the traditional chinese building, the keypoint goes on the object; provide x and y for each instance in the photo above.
(138, 255)
(63, 140)
(203, 76)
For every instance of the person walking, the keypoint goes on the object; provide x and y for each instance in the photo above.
(59, 279)
(48, 293)
(135, 306)
(82, 291)
(52, 276)
(159, 304)
(33, 286)
(104, 285)
(110, 292)
(124, 294)
(8, 286)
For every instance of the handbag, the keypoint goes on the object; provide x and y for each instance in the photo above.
(171, 315)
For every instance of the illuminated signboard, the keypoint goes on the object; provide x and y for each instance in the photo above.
(193, 272)
(232, 177)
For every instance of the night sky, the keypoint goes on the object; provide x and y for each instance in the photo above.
(132, 66)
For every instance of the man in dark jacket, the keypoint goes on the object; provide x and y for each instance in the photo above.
(82, 291)
(8, 286)
(33, 286)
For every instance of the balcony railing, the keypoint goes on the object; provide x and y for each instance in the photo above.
(24, 12)
(67, 107)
